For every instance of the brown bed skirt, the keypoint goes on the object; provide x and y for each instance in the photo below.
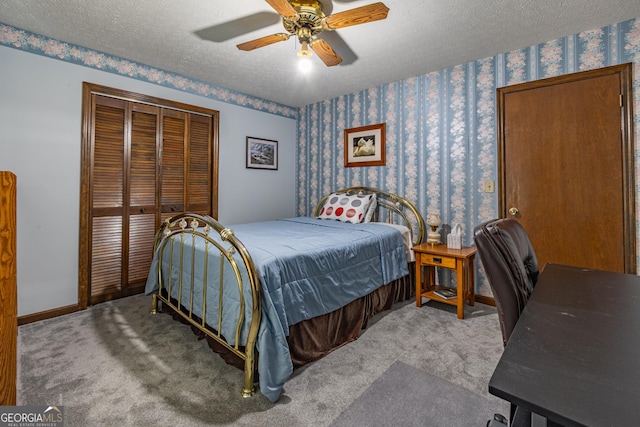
(314, 338)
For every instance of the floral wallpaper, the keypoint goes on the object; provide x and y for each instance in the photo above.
(442, 128)
(34, 43)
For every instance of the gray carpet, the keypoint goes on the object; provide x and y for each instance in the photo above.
(408, 397)
(115, 364)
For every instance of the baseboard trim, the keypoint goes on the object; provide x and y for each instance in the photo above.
(48, 314)
(485, 300)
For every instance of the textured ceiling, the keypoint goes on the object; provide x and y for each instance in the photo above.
(197, 38)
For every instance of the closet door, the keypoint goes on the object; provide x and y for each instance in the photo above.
(142, 194)
(124, 197)
(144, 159)
(174, 146)
(199, 170)
(107, 196)
(186, 163)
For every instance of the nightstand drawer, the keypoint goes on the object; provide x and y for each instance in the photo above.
(438, 260)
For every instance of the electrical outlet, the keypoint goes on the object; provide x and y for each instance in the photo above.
(489, 186)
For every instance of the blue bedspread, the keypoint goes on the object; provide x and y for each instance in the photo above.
(307, 267)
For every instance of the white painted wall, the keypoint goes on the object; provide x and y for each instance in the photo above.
(40, 141)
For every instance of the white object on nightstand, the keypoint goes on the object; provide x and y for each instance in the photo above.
(454, 239)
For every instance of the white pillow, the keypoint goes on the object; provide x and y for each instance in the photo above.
(371, 210)
(406, 238)
(346, 207)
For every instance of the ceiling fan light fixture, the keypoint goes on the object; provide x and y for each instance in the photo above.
(304, 52)
(305, 64)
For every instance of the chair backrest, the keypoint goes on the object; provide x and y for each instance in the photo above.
(510, 263)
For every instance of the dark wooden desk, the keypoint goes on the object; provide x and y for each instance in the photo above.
(574, 355)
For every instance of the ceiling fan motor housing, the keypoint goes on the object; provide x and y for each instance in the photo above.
(309, 22)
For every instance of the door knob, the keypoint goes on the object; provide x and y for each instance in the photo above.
(514, 212)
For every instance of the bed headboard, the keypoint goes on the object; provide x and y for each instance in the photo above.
(391, 208)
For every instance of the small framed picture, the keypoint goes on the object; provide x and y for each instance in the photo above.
(262, 153)
(364, 146)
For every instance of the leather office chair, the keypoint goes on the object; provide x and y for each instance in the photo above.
(511, 266)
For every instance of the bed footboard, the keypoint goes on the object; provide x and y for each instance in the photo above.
(176, 243)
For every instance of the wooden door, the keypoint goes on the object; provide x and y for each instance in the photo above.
(174, 151)
(186, 163)
(107, 204)
(199, 166)
(141, 194)
(123, 208)
(566, 167)
(144, 159)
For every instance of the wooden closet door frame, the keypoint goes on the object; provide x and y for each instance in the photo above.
(86, 172)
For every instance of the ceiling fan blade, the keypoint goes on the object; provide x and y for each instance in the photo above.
(263, 41)
(325, 52)
(283, 7)
(339, 45)
(359, 15)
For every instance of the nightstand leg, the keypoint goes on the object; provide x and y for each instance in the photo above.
(418, 283)
(472, 286)
(461, 285)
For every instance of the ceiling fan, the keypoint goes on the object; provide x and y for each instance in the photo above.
(305, 20)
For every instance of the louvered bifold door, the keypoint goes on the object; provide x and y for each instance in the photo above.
(107, 196)
(142, 195)
(174, 136)
(200, 164)
(144, 159)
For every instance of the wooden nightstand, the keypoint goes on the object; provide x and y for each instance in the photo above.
(458, 260)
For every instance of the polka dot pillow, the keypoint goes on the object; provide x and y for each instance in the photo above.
(346, 207)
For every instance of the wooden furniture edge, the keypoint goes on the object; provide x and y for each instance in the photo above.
(8, 288)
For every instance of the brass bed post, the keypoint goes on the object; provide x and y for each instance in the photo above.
(163, 231)
(256, 311)
(204, 285)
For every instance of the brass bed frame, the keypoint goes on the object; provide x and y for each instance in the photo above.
(391, 208)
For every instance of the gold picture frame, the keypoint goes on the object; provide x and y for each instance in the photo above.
(365, 146)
